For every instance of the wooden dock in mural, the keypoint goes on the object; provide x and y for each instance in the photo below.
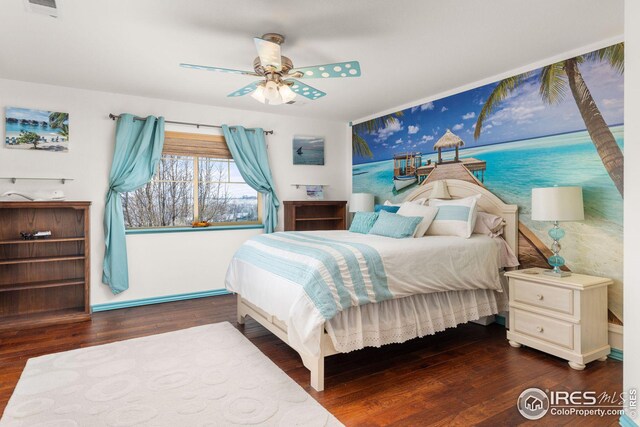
(531, 252)
(452, 170)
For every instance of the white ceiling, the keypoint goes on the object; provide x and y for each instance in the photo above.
(408, 49)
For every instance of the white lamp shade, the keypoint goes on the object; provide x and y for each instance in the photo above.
(361, 202)
(258, 94)
(287, 94)
(557, 204)
(440, 190)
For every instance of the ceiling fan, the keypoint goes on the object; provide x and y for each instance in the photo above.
(278, 84)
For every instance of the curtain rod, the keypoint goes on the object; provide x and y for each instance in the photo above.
(198, 125)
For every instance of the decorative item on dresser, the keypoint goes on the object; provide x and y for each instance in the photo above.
(563, 316)
(44, 280)
(307, 215)
(557, 204)
(361, 202)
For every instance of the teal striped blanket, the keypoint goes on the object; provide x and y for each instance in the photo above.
(335, 274)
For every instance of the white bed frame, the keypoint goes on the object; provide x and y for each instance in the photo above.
(489, 202)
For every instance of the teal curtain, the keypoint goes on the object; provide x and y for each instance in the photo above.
(249, 151)
(135, 159)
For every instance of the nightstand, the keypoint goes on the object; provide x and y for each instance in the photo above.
(563, 316)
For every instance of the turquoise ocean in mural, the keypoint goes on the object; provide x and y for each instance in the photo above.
(514, 168)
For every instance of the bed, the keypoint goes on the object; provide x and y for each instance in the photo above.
(436, 282)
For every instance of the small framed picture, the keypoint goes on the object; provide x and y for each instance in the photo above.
(308, 150)
(29, 129)
(315, 192)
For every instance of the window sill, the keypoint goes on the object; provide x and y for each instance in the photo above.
(190, 229)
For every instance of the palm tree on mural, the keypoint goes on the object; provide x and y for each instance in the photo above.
(553, 86)
(359, 146)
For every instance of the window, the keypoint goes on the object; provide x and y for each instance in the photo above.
(197, 180)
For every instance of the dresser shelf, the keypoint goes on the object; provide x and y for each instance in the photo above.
(334, 218)
(307, 215)
(40, 259)
(58, 240)
(44, 281)
(42, 284)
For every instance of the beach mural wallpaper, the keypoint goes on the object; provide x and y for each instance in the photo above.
(561, 124)
(29, 129)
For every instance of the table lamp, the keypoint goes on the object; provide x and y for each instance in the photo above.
(557, 204)
(361, 202)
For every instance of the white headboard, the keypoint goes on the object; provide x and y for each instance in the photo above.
(489, 202)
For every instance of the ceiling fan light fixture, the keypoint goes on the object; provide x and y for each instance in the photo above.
(271, 92)
(258, 94)
(286, 93)
(278, 84)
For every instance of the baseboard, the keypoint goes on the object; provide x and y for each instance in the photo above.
(156, 300)
(625, 421)
(615, 354)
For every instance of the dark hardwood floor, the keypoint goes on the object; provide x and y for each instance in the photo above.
(464, 376)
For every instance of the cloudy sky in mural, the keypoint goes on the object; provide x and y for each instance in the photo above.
(522, 115)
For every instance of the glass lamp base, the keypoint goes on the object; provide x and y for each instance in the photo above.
(555, 260)
(559, 273)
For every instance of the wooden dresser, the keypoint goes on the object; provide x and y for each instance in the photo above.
(307, 215)
(563, 316)
(44, 281)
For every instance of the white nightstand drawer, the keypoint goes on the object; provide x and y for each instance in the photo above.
(543, 296)
(543, 328)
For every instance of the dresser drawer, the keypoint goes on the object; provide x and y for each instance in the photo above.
(543, 296)
(543, 328)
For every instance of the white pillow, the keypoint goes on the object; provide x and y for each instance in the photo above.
(428, 213)
(455, 217)
(489, 224)
(416, 202)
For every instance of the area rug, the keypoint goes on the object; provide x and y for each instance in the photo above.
(204, 376)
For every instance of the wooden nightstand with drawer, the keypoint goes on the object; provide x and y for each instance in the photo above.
(563, 316)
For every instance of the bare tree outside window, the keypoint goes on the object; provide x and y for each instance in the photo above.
(187, 189)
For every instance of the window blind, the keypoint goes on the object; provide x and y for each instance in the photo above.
(194, 144)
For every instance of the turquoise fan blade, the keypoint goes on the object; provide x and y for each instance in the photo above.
(245, 90)
(217, 69)
(306, 90)
(339, 69)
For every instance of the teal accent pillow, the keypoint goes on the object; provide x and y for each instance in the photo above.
(394, 225)
(363, 221)
(388, 208)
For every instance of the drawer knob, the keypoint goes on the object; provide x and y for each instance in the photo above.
(539, 329)
(540, 297)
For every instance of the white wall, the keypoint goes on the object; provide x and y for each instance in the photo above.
(170, 263)
(632, 199)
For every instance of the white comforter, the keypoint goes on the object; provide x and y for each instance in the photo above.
(413, 266)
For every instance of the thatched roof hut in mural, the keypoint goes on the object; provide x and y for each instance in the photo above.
(448, 140)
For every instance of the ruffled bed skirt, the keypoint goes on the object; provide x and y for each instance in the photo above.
(399, 320)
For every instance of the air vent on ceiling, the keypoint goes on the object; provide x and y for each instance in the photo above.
(44, 7)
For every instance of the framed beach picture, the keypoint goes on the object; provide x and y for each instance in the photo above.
(28, 129)
(308, 150)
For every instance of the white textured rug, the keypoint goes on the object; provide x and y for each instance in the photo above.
(205, 376)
